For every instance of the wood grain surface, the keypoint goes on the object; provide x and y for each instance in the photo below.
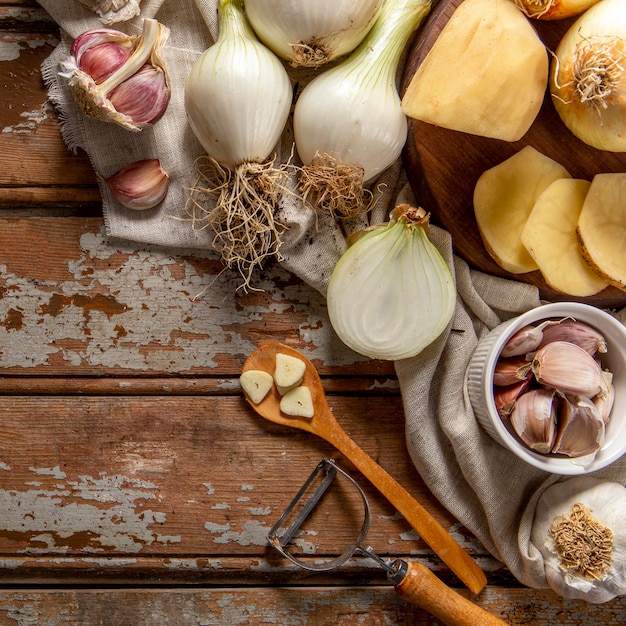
(136, 483)
(444, 165)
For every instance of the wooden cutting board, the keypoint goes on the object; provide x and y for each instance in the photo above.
(443, 165)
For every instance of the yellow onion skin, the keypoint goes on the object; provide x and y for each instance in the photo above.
(599, 36)
(553, 9)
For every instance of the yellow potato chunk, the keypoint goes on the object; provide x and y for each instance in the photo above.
(550, 237)
(486, 73)
(504, 196)
(602, 227)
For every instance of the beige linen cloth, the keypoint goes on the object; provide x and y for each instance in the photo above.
(487, 489)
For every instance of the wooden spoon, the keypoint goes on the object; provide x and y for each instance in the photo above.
(324, 424)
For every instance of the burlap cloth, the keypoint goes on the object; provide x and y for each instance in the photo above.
(486, 488)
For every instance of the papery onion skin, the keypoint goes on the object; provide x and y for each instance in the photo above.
(553, 9)
(329, 28)
(588, 77)
(391, 294)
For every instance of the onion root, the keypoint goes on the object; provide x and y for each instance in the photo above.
(239, 206)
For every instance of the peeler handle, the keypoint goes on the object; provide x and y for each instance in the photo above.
(421, 587)
(429, 529)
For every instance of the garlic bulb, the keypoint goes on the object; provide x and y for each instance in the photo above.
(111, 11)
(140, 185)
(118, 78)
(579, 528)
(308, 33)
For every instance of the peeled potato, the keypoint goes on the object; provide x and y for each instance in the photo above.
(602, 227)
(504, 196)
(550, 237)
(486, 73)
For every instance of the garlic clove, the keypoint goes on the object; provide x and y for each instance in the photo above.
(581, 428)
(604, 401)
(568, 368)
(143, 97)
(122, 94)
(140, 185)
(505, 397)
(525, 340)
(534, 419)
(512, 370)
(578, 333)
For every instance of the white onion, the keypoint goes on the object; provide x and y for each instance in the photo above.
(311, 32)
(391, 294)
(588, 77)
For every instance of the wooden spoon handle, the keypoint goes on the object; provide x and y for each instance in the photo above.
(422, 588)
(444, 545)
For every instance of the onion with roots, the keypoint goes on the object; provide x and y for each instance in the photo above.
(553, 9)
(348, 121)
(238, 98)
(309, 33)
(588, 77)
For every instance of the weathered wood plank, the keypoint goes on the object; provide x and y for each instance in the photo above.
(288, 606)
(72, 302)
(202, 477)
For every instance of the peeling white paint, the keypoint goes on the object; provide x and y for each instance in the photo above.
(247, 487)
(9, 50)
(152, 306)
(254, 533)
(52, 518)
(4, 466)
(221, 506)
(210, 489)
(48, 471)
(30, 120)
(266, 510)
(243, 499)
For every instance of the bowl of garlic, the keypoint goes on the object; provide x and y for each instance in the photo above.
(550, 385)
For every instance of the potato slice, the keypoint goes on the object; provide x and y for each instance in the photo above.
(550, 237)
(256, 384)
(602, 227)
(504, 196)
(298, 402)
(486, 73)
(288, 372)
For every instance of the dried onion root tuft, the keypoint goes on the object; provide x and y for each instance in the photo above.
(335, 187)
(239, 207)
(309, 54)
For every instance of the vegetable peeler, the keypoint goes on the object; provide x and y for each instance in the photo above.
(412, 581)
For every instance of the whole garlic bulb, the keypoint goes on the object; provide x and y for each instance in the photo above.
(580, 530)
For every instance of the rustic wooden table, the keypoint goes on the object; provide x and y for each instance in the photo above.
(136, 485)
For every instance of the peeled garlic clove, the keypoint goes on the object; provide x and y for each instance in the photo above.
(510, 371)
(256, 384)
(505, 397)
(298, 402)
(578, 333)
(111, 11)
(581, 428)
(140, 185)
(568, 368)
(133, 93)
(534, 419)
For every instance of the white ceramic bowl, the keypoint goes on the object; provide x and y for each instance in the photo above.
(480, 386)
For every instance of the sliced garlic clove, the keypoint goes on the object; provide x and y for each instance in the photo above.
(256, 384)
(534, 419)
(568, 368)
(298, 402)
(581, 428)
(578, 333)
(140, 185)
(510, 371)
(289, 371)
